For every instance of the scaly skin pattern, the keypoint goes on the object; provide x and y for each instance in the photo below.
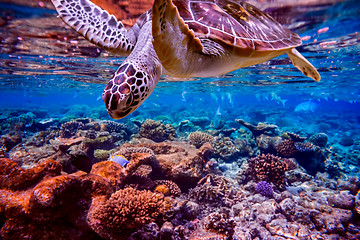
(135, 79)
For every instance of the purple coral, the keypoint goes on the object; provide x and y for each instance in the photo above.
(264, 188)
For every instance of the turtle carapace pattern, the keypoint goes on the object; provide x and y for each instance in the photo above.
(180, 38)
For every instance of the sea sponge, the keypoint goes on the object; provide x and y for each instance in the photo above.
(286, 148)
(268, 168)
(199, 138)
(126, 209)
(101, 154)
(167, 187)
(157, 131)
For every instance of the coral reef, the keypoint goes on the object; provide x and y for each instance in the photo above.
(126, 209)
(14, 177)
(179, 161)
(267, 167)
(69, 129)
(212, 189)
(171, 189)
(167, 187)
(319, 139)
(128, 151)
(260, 128)
(220, 223)
(157, 131)
(264, 188)
(199, 138)
(305, 148)
(226, 149)
(286, 148)
(40, 201)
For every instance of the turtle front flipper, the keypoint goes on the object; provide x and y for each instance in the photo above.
(96, 25)
(300, 62)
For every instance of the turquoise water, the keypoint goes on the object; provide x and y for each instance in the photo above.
(47, 69)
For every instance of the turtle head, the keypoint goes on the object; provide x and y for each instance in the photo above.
(126, 91)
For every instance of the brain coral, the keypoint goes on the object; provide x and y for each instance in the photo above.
(268, 168)
(156, 131)
(199, 138)
(125, 209)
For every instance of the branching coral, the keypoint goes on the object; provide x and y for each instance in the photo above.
(211, 189)
(157, 131)
(286, 148)
(221, 223)
(167, 187)
(199, 138)
(69, 129)
(268, 168)
(127, 151)
(112, 126)
(125, 209)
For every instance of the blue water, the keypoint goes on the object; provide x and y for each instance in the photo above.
(46, 67)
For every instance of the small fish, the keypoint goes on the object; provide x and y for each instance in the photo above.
(119, 159)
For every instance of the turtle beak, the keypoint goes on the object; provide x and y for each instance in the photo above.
(118, 114)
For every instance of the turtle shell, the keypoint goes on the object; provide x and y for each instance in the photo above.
(235, 24)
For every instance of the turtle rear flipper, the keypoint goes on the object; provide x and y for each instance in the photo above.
(96, 25)
(300, 62)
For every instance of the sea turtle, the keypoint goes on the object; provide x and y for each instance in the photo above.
(181, 38)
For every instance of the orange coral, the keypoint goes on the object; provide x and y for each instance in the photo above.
(125, 209)
(112, 171)
(138, 159)
(14, 177)
(167, 187)
(57, 202)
